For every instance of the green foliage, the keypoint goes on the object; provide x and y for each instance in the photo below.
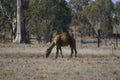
(7, 13)
(100, 12)
(78, 19)
(117, 11)
(8, 8)
(45, 16)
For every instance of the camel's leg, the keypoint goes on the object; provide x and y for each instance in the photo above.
(57, 51)
(71, 47)
(75, 52)
(74, 47)
(71, 51)
(61, 52)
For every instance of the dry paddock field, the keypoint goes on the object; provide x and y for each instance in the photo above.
(28, 62)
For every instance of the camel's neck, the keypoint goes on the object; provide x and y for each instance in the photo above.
(50, 49)
(51, 46)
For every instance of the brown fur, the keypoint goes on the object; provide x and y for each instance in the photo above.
(63, 39)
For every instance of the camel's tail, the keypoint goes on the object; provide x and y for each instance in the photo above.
(48, 51)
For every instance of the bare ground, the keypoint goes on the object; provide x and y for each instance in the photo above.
(28, 62)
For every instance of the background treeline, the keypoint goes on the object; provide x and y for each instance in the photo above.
(42, 18)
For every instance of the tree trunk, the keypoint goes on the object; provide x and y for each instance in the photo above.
(21, 31)
(18, 33)
(116, 38)
(99, 38)
(13, 28)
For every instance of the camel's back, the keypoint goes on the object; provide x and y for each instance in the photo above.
(64, 39)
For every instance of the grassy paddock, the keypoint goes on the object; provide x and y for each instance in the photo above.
(28, 62)
(22, 50)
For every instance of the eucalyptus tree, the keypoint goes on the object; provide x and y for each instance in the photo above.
(117, 11)
(47, 16)
(100, 13)
(9, 9)
(117, 22)
(78, 20)
(21, 29)
(8, 14)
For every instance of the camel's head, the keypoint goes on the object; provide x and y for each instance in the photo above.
(48, 52)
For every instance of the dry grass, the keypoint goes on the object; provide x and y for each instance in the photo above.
(28, 62)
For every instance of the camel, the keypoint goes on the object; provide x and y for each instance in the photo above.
(63, 39)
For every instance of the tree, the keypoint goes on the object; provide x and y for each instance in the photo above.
(47, 16)
(8, 14)
(117, 11)
(117, 21)
(99, 13)
(8, 11)
(21, 30)
(79, 20)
